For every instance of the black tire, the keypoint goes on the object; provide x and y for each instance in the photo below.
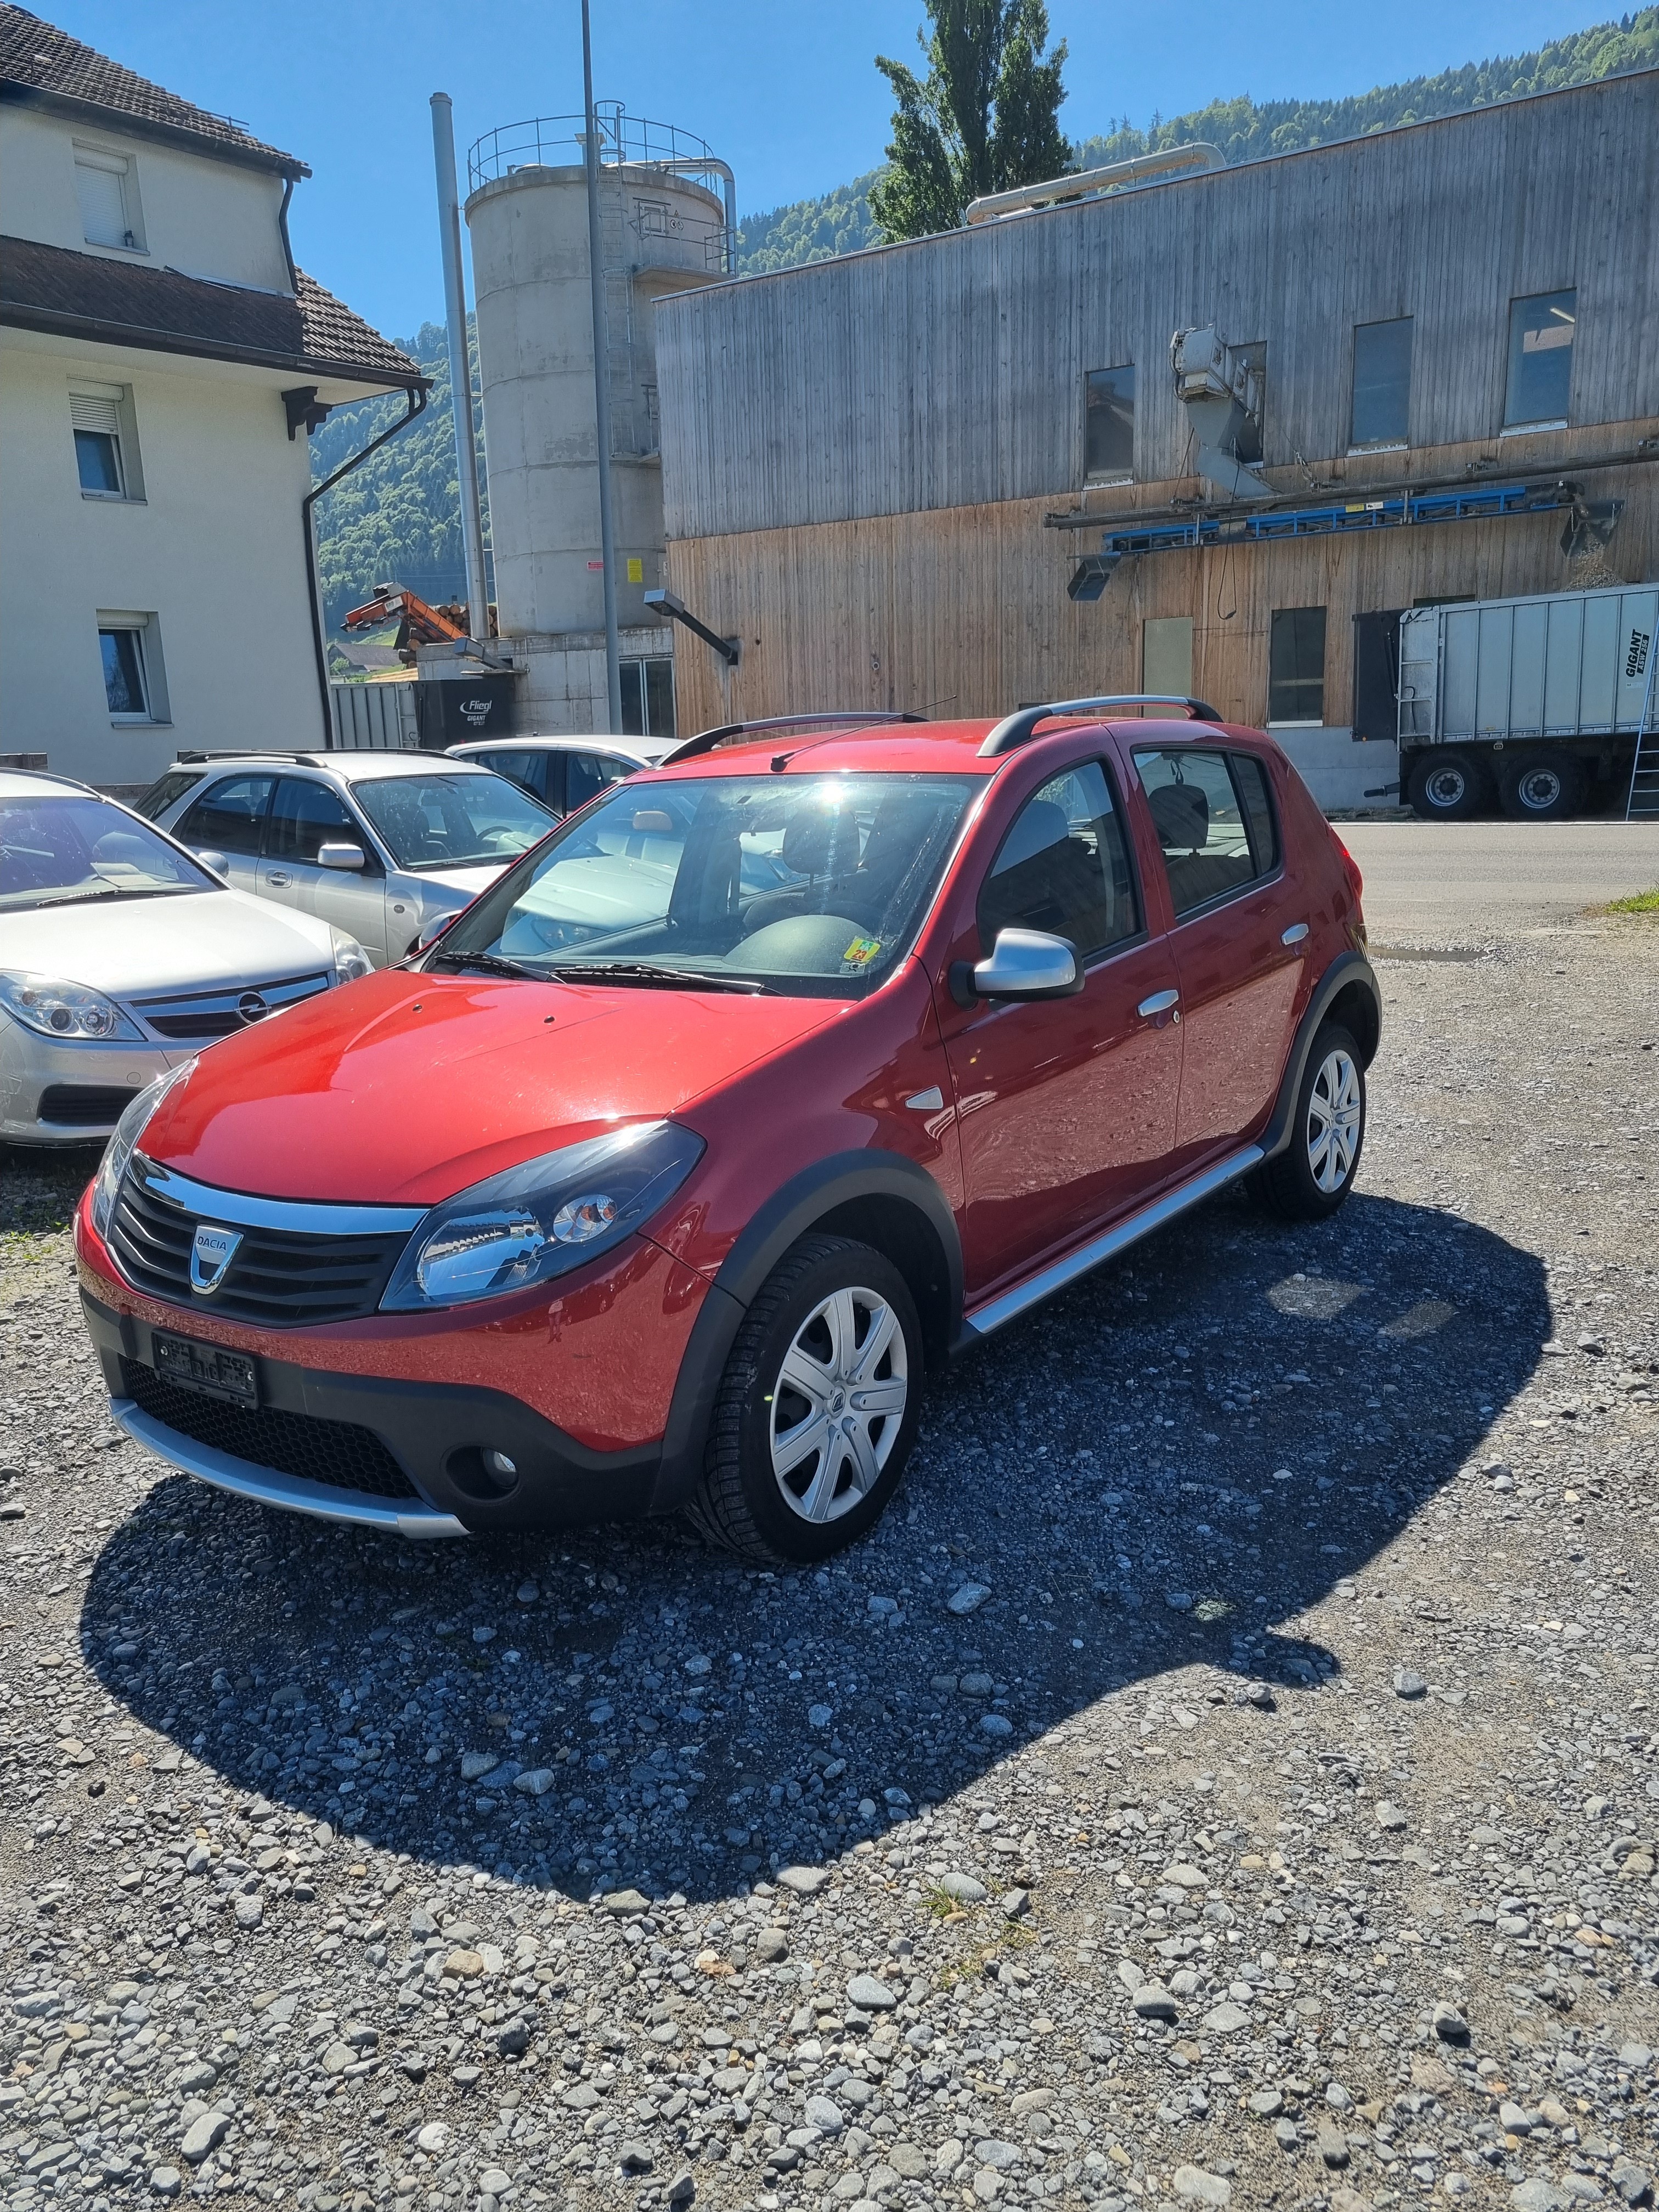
(1449, 786)
(1542, 787)
(741, 1504)
(1290, 1183)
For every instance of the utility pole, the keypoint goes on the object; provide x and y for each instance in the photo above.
(460, 374)
(601, 384)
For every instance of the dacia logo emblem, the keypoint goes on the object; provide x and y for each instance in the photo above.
(209, 1256)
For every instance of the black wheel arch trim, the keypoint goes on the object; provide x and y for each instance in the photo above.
(1347, 969)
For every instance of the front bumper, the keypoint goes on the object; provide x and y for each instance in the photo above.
(104, 1075)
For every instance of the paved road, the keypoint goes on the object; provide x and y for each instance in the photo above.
(1469, 883)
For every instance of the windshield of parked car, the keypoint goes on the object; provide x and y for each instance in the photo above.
(453, 820)
(813, 885)
(68, 851)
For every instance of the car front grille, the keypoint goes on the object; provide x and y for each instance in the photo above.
(337, 1453)
(201, 1016)
(278, 1278)
(83, 1105)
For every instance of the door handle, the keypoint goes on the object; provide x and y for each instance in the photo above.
(279, 877)
(1295, 933)
(1159, 1003)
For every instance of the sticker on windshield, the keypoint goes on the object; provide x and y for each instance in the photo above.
(861, 952)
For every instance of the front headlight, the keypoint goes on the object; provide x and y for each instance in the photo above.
(128, 1130)
(57, 1008)
(543, 1218)
(350, 961)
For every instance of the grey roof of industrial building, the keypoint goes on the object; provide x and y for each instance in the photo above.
(40, 64)
(115, 302)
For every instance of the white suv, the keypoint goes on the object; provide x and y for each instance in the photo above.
(385, 845)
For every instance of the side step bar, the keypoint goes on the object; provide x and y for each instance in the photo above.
(986, 1318)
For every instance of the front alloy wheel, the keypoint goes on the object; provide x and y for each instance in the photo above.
(838, 1404)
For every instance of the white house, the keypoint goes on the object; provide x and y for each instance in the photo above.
(161, 360)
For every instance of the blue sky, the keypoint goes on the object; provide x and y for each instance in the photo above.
(787, 93)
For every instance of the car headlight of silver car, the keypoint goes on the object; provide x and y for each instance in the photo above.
(127, 1132)
(543, 1218)
(73, 1012)
(350, 961)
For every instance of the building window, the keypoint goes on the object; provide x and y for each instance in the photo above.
(1382, 383)
(108, 193)
(1166, 655)
(1541, 360)
(647, 697)
(105, 449)
(1295, 666)
(1109, 422)
(134, 683)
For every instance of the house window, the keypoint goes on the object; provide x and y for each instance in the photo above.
(1109, 422)
(1295, 666)
(108, 193)
(1541, 359)
(134, 683)
(1382, 383)
(647, 697)
(105, 449)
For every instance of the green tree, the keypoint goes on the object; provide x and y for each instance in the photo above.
(985, 118)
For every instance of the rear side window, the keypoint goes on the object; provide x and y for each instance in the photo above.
(528, 769)
(589, 774)
(305, 816)
(165, 791)
(1210, 837)
(1064, 867)
(1251, 779)
(229, 817)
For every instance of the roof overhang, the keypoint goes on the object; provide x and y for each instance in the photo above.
(94, 116)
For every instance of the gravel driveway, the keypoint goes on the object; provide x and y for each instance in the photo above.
(1232, 1774)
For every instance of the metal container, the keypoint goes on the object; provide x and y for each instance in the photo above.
(1564, 665)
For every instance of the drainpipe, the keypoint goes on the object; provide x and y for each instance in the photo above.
(416, 396)
(460, 372)
(601, 384)
(287, 244)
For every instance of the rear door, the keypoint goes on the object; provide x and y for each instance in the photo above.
(304, 817)
(229, 817)
(1237, 902)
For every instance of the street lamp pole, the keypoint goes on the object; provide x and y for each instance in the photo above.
(601, 384)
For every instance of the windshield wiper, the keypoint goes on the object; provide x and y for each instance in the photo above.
(646, 971)
(88, 898)
(490, 964)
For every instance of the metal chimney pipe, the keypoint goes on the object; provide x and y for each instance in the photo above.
(601, 383)
(460, 374)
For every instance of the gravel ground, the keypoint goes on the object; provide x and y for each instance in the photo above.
(1230, 1775)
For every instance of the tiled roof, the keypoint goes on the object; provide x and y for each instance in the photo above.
(46, 288)
(37, 58)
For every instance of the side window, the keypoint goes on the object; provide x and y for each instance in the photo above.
(1251, 779)
(229, 817)
(1201, 825)
(1064, 867)
(525, 768)
(589, 774)
(304, 815)
(164, 791)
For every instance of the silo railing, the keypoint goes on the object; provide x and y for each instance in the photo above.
(626, 141)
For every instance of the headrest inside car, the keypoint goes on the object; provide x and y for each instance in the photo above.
(1180, 815)
(654, 822)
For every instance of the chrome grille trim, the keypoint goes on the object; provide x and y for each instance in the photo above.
(242, 1209)
(177, 1016)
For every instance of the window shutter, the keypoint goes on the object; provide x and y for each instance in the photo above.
(103, 203)
(90, 411)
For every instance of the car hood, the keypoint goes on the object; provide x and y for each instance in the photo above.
(196, 939)
(403, 1089)
(443, 888)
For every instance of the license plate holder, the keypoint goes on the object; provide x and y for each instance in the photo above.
(208, 1368)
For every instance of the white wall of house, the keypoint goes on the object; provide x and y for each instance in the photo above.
(212, 556)
(202, 217)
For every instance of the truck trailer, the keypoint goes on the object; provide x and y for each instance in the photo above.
(1538, 703)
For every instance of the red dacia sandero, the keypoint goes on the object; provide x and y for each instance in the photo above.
(760, 1087)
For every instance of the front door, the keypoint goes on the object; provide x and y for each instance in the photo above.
(1236, 900)
(229, 817)
(1066, 1107)
(304, 817)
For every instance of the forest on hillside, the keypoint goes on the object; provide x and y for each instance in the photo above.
(397, 517)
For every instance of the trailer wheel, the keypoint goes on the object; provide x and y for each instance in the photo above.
(1447, 787)
(1542, 787)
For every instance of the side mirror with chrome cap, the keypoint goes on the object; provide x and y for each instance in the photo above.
(341, 854)
(1023, 963)
(432, 931)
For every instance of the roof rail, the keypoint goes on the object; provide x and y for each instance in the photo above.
(705, 740)
(1018, 729)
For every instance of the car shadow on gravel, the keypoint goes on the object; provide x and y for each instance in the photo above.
(1163, 1470)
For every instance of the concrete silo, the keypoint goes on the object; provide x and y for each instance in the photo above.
(666, 224)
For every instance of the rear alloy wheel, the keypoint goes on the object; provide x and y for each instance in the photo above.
(817, 1408)
(1542, 787)
(1315, 1172)
(1447, 787)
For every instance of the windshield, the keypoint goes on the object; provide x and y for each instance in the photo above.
(63, 852)
(453, 820)
(815, 885)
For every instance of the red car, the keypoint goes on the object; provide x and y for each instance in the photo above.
(762, 1086)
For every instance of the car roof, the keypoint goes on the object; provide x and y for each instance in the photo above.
(350, 767)
(910, 748)
(568, 741)
(40, 783)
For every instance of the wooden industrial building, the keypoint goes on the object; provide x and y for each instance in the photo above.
(882, 473)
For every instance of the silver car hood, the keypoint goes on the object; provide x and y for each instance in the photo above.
(458, 887)
(190, 940)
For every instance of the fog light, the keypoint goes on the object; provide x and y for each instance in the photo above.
(499, 1463)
